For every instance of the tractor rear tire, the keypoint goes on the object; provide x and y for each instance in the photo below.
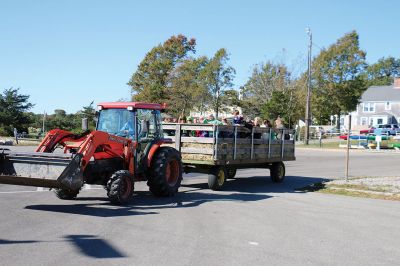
(217, 177)
(120, 187)
(66, 194)
(277, 171)
(166, 172)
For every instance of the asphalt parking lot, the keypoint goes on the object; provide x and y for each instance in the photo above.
(252, 222)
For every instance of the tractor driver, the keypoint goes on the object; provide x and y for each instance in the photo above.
(127, 129)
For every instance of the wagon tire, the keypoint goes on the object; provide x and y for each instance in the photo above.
(217, 177)
(277, 172)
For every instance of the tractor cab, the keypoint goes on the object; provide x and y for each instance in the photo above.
(133, 120)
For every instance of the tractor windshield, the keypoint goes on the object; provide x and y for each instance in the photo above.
(117, 122)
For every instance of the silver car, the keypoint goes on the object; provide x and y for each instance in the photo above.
(389, 129)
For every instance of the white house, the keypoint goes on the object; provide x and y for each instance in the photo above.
(379, 105)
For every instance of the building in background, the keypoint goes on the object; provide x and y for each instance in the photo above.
(378, 105)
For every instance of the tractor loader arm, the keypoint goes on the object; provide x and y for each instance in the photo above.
(58, 137)
(57, 170)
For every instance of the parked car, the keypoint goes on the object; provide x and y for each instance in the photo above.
(335, 130)
(389, 129)
(367, 131)
(316, 131)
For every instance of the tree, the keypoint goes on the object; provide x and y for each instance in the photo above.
(150, 81)
(265, 79)
(59, 120)
(337, 77)
(89, 112)
(217, 76)
(383, 72)
(187, 90)
(230, 98)
(276, 106)
(12, 111)
(285, 104)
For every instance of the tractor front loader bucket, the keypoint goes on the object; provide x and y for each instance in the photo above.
(39, 169)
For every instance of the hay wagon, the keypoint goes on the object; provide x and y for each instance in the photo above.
(220, 150)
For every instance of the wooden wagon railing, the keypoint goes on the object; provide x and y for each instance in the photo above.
(220, 145)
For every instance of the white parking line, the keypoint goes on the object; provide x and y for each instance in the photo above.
(23, 191)
(43, 189)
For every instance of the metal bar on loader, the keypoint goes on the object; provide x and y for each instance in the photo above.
(33, 169)
(28, 181)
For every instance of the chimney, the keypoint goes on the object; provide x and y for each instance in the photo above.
(396, 83)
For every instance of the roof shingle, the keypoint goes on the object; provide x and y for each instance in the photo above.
(381, 94)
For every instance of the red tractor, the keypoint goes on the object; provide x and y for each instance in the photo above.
(126, 147)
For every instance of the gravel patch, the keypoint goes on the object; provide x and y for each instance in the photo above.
(376, 184)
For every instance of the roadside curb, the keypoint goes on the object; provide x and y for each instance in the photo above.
(351, 150)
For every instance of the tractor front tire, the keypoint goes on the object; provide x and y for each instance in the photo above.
(277, 172)
(120, 187)
(217, 177)
(166, 172)
(66, 194)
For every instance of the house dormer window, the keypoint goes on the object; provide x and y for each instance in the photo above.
(369, 107)
(388, 106)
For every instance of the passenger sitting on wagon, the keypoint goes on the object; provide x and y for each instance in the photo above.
(266, 124)
(279, 125)
(248, 124)
(257, 123)
(225, 122)
(211, 121)
(192, 133)
(237, 118)
(182, 120)
(167, 131)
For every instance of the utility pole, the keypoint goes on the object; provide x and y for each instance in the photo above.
(308, 103)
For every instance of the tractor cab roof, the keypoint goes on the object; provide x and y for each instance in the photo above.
(133, 105)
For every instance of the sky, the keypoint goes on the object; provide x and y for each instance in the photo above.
(66, 54)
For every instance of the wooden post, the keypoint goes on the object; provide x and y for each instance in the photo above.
(348, 150)
(283, 142)
(216, 136)
(269, 143)
(178, 137)
(252, 143)
(234, 146)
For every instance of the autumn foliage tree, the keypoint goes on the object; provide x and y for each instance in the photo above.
(337, 78)
(169, 74)
(187, 90)
(383, 71)
(150, 81)
(217, 76)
